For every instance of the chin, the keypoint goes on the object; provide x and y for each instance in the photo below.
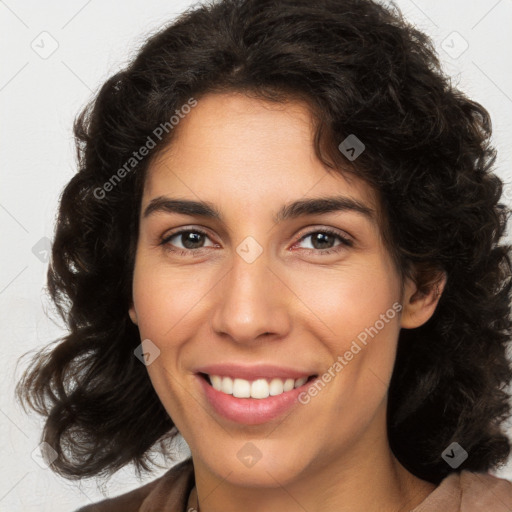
(245, 467)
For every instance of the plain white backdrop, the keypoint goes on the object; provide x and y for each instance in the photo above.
(55, 56)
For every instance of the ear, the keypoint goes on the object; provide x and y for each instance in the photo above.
(419, 306)
(133, 314)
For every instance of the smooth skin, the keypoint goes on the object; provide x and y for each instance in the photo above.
(295, 305)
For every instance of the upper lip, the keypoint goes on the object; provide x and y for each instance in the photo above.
(253, 372)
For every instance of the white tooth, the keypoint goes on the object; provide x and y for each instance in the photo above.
(227, 385)
(259, 389)
(288, 384)
(241, 388)
(216, 382)
(300, 382)
(276, 387)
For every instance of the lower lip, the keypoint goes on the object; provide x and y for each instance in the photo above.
(251, 411)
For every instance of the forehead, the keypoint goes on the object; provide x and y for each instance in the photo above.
(250, 153)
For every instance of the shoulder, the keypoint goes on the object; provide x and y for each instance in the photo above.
(171, 488)
(483, 491)
(469, 492)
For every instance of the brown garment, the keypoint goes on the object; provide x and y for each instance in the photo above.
(175, 492)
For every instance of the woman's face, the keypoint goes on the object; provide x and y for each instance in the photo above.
(257, 291)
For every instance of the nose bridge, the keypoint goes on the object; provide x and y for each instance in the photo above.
(252, 300)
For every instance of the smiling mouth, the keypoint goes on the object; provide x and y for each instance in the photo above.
(258, 389)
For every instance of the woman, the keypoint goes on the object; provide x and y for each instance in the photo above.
(283, 243)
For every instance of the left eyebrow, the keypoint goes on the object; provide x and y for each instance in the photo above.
(322, 205)
(300, 208)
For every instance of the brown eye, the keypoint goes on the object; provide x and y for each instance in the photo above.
(190, 240)
(322, 241)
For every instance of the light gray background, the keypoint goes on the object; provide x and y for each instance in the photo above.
(39, 96)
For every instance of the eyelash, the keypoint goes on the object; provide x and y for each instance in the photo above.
(345, 242)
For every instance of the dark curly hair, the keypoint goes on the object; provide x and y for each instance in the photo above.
(363, 70)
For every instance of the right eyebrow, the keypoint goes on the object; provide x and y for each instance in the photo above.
(183, 206)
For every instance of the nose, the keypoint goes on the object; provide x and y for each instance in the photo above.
(253, 301)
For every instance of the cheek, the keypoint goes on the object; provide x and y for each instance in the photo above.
(164, 303)
(356, 315)
(359, 376)
(344, 302)
(163, 299)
